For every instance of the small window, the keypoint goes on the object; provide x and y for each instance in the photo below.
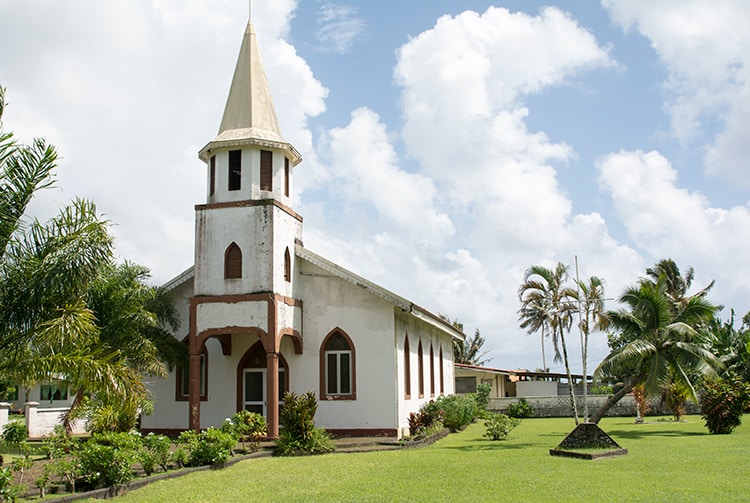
(286, 176)
(337, 367)
(212, 176)
(235, 169)
(183, 379)
(432, 371)
(52, 392)
(233, 262)
(266, 170)
(407, 368)
(466, 385)
(442, 378)
(287, 266)
(420, 369)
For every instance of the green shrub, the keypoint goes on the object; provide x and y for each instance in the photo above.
(247, 426)
(159, 447)
(723, 402)
(15, 433)
(459, 411)
(299, 435)
(59, 443)
(104, 465)
(602, 389)
(499, 426)
(209, 447)
(9, 491)
(482, 396)
(520, 409)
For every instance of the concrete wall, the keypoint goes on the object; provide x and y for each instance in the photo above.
(559, 406)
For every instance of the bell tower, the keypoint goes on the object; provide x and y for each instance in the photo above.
(245, 233)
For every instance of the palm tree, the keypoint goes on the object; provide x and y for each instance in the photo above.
(676, 285)
(544, 290)
(591, 316)
(468, 351)
(46, 329)
(533, 317)
(656, 344)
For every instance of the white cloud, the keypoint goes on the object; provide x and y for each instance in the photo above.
(339, 26)
(705, 47)
(665, 220)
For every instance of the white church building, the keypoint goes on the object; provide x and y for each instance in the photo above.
(263, 315)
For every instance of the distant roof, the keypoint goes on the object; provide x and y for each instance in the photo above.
(518, 372)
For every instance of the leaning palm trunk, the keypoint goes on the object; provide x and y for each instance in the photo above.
(570, 376)
(631, 383)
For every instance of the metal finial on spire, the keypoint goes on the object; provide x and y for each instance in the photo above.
(249, 9)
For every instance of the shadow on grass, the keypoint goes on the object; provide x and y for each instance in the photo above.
(636, 434)
(491, 445)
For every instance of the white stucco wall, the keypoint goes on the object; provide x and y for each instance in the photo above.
(418, 330)
(331, 303)
(536, 388)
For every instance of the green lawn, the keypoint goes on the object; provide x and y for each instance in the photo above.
(666, 461)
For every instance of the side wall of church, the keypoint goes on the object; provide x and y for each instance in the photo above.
(332, 303)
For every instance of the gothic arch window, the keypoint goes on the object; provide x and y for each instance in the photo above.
(287, 266)
(407, 368)
(266, 170)
(420, 369)
(432, 371)
(337, 367)
(233, 262)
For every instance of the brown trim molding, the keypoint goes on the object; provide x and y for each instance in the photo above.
(323, 392)
(246, 203)
(363, 432)
(241, 366)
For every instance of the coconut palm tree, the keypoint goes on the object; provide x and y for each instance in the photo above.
(656, 344)
(545, 290)
(591, 316)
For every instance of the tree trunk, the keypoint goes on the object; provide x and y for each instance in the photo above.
(629, 385)
(570, 377)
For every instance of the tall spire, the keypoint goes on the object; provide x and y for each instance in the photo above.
(249, 115)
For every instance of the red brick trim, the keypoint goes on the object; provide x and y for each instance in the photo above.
(323, 394)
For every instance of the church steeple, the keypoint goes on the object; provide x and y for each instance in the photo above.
(249, 115)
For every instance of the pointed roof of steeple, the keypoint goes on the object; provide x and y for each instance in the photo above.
(249, 115)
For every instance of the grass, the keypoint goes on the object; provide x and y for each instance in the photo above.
(667, 461)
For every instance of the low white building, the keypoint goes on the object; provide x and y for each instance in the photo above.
(264, 315)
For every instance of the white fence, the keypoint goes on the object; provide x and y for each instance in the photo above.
(41, 422)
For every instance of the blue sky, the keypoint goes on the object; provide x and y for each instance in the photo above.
(447, 146)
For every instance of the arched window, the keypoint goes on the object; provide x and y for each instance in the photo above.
(233, 262)
(287, 266)
(420, 369)
(432, 371)
(407, 368)
(337, 367)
